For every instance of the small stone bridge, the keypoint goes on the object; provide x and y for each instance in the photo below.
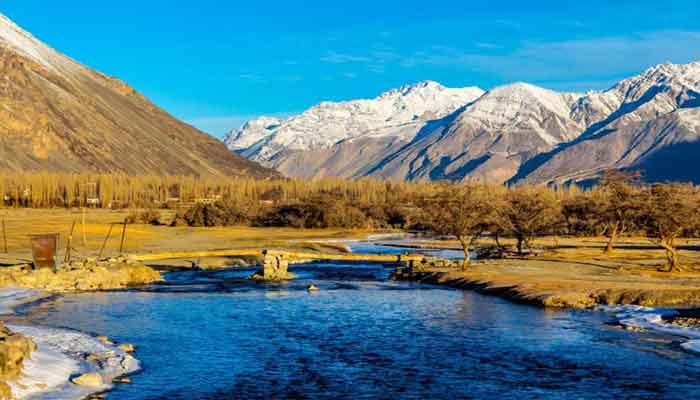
(276, 262)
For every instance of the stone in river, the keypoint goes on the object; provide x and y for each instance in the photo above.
(91, 379)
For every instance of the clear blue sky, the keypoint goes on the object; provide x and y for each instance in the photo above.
(216, 63)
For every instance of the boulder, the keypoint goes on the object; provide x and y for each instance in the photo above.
(105, 340)
(91, 379)
(127, 347)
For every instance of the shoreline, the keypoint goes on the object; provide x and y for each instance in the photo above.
(561, 283)
(62, 355)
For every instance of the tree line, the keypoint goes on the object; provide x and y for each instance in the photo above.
(620, 204)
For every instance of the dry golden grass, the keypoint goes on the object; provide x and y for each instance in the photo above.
(21, 223)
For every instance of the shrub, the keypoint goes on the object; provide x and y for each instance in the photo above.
(209, 215)
(149, 216)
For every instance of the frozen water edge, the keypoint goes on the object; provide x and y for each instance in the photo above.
(653, 319)
(61, 355)
(10, 298)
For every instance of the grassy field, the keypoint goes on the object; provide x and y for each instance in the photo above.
(88, 238)
(577, 273)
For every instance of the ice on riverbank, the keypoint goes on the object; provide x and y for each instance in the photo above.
(652, 319)
(10, 298)
(61, 355)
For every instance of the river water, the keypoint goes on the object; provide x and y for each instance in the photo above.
(215, 335)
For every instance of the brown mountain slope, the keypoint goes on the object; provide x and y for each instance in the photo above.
(58, 115)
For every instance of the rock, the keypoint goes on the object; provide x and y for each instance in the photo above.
(105, 340)
(274, 269)
(122, 379)
(91, 379)
(14, 349)
(93, 358)
(77, 276)
(127, 347)
(634, 329)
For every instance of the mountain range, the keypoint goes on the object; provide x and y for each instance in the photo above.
(510, 134)
(59, 115)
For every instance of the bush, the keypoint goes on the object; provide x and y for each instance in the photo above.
(314, 213)
(209, 215)
(149, 216)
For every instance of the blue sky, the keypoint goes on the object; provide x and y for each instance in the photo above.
(218, 63)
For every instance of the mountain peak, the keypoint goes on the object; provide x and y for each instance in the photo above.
(392, 114)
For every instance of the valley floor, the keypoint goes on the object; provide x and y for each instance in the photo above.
(570, 272)
(144, 239)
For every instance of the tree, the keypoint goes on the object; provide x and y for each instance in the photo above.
(463, 211)
(581, 214)
(669, 210)
(529, 211)
(618, 206)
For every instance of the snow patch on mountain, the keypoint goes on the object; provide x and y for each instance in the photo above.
(328, 123)
(22, 41)
(511, 107)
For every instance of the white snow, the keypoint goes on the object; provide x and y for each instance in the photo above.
(13, 297)
(23, 42)
(331, 122)
(511, 108)
(60, 356)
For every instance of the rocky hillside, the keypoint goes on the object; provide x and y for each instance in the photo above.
(58, 115)
(513, 133)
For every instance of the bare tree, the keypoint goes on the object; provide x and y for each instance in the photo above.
(669, 211)
(463, 211)
(618, 207)
(529, 211)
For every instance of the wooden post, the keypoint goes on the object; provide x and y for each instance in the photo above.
(69, 243)
(121, 244)
(104, 243)
(84, 232)
(4, 235)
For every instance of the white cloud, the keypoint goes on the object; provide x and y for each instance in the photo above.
(597, 59)
(333, 57)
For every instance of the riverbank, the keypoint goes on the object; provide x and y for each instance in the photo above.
(560, 281)
(42, 362)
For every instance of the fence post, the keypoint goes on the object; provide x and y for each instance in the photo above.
(69, 243)
(104, 243)
(4, 235)
(121, 244)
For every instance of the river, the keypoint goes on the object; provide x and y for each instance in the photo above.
(214, 335)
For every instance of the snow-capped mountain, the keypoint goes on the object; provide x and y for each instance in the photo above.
(512, 133)
(395, 112)
(59, 115)
(650, 122)
(488, 139)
